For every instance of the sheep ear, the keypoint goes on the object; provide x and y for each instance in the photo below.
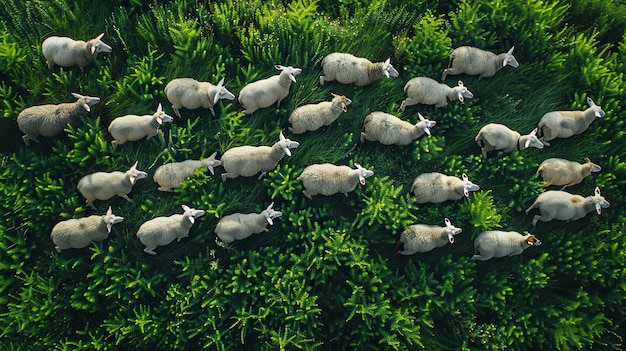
(269, 220)
(460, 83)
(427, 131)
(421, 117)
(388, 61)
(510, 52)
(464, 177)
(279, 67)
(270, 206)
(362, 179)
(77, 95)
(87, 107)
(597, 191)
(357, 165)
(185, 208)
(191, 219)
(335, 95)
(451, 238)
(447, 222)
(109, 225)
(534, 132)
(134, 166)
(159, 108)
(221, 83)
(281, 137)
(590, 102)
(100, 36)
(527, 144)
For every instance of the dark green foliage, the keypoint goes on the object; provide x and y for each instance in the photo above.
(325, 276)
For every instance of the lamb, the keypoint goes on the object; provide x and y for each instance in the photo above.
(498, 243)
(495, 136)
(564, 124)
(328, 179)
(427, 91)
(436, 187)
(67, 52)
(313, 116)
(247, 160)
(265, 92)
(161, 231)
(81, 232)
(348, 69)
(238, 226)
(133, 127)
(170, 175)
(557, 171)
(424, 238)
(389, 129)
(103, 186)
(561, 205)
(51, 120)
(474, 61)
(192, 94)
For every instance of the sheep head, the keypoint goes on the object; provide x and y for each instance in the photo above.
(211, 162)
(109, 219)
(291, 71)
(388, 69)
(363, 173)
(222, 93)
(509, 59)
(591, 167)
(192, 213)
(533, 140)
(462, 91)
(532, 240)
(451, 230)
(162, 116)
(596, 109)
(599, 201)
(98, 45)
(426, 123)
(468, 186)
(270, 214)
(344, 101)
(87, 101)
(287, 144)
(134, 174)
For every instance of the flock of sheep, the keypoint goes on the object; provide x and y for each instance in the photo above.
(317, 179)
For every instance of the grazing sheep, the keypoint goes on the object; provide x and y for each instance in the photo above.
(103, 186)
(313, 116)
(50, 120)
(564, 124)
(238, 226)
(67, 52)
(81, 232)
(424, 238)
(170, 175)
(328, 179)
(474, 61)
(348, 69)
(427, 91)
(192, 94)
(133, 127)
(561, 205)
(436, 187)
(495, 136)
(247, 160)
(161, 231)
(265, 92)
(388, 129)
(557, 171)
(498, 243)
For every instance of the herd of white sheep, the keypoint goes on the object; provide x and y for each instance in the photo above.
(323, 179)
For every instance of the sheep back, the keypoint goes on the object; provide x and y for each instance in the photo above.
(422, 238)
(561, 205)
(474, 61)
(265, 92)
(436, 187)
(311, 117)
(79, 233)
(171, 175)
(497, 243)
(238, 226)
(347, 69)
(161, 231)
(388, 129)
(495, 136)
(558, 171)
(248, 160)
(328, 179)
(427, 91)
(67, 52)
(104, 185)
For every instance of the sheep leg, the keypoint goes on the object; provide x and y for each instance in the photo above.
(478, 257)
(150, 251)
(27, 138)
(126, 197)
(262, 175)
(224, 176)
(406, 102)
(176, 111)
(278, 104)
(451, 71)
(322, 80)
(58, 249)
(363, 137)
(90, 204)
(307, 194)
(162, 188)
(544, 217)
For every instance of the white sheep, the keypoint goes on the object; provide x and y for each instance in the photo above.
(170, 175)
(263, 93)
(81, 232)
(561, 205)
(388, 129)
(564, 124)
(103, 186)
(51, 120)
(495, 136)
(424, 238)
(557, 171)
(475, 61)
(238, 226)
(498, 243)
(328, 179)
(67, 52)
(436, 187)
(427, 91)
(192, 94)
(161, 231)
(248, 160)
(311, 117)
(134, 127)
(348, 69)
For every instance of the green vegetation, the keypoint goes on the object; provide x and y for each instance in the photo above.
(325, 276)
